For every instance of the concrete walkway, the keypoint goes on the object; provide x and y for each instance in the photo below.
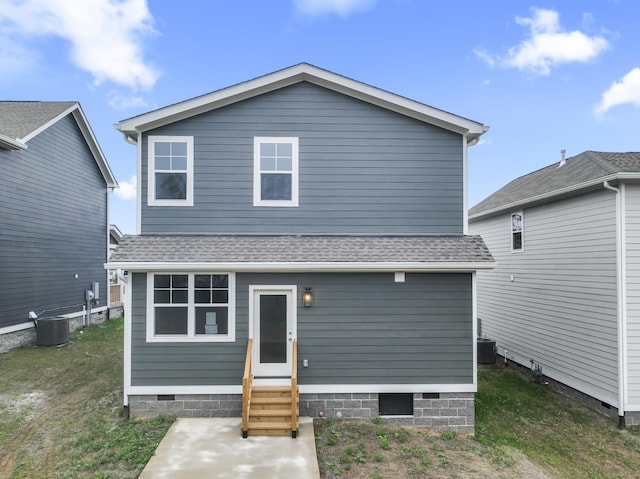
(213, 448)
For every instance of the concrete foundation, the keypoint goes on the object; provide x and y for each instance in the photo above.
(437, 411)
(27, 336)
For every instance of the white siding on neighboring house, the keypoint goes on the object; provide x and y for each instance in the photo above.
(632, 208)
(555, 302)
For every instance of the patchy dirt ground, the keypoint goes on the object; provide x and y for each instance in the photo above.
(353, 450)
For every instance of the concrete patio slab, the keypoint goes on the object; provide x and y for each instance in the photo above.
(197, 448)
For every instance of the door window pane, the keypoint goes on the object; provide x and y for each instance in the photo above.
(273, 328)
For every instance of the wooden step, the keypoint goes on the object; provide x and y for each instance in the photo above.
(270, 412)
(255, 401)
(271, 426)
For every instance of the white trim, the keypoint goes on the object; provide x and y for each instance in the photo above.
(387, 388)
(474, 334)
(291, 291)
(191, 337)
(16, 327)
(151, 170)
(257, 171)
(139, 184)
(511, 215)
(127, 299)
(281, 267)
(11, 143)
(89, 137)
(561, 192)
(310, 389)
(465, 187)
(623, 296)
(293, 75)
(94, 146)
(632, 408)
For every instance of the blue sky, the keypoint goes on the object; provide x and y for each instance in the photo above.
(544, 75)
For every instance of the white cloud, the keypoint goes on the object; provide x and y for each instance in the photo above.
(127, 189)
(104, 35)
(548, 45)
(341, 7)
(119, 102)
(627, 90)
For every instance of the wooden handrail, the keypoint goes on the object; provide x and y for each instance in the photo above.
(294, 386)
(247, 379)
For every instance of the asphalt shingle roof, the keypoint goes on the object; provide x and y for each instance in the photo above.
(582, 168)
(19, 118)
(301, 249)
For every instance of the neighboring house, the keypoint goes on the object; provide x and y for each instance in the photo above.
(302, 208)
(565, 295)
(115, 284)
(53, 216)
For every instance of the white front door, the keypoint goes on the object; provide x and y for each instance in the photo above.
(272, 320)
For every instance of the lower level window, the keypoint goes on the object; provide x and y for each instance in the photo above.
(190, 307)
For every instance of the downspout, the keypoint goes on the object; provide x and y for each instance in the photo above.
(621, 288)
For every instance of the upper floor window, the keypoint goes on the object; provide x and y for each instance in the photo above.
(190, 307)
(275, 171)
(170, 177)
(516, 231)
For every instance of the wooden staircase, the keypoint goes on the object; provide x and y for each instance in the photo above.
(270, 410)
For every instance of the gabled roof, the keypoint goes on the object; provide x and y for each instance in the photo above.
(20, 121)
(584, 171)
(292, 75)
(302, 253)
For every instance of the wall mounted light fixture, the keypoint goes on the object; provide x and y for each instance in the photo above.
(307, 297)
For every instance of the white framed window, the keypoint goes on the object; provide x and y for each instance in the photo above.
(275, 171)
(170, 177)
(196, 307)
(517, 232)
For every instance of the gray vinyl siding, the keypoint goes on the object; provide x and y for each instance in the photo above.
(361, 329)
(53, 225)
(632, 208)
(363, 169)
(560, 307)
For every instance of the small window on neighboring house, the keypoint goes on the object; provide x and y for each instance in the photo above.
(170, 176)
(275, 171)
(516, 231)
(190, 307)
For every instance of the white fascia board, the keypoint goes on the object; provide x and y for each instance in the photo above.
(305, 267)
(11, 143)
(94, 146)
(46, 125)
(560, 192)
(89, 137)
(292, 75)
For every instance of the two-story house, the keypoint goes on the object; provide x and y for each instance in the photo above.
(565, 295)
(307, 232)
(54, 196)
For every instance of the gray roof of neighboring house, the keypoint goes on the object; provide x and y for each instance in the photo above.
(19, 118)
(20, 121)
(303, 250)
(582, 170)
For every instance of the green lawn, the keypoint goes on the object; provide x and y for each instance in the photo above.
(61, 417)
(61, 411)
